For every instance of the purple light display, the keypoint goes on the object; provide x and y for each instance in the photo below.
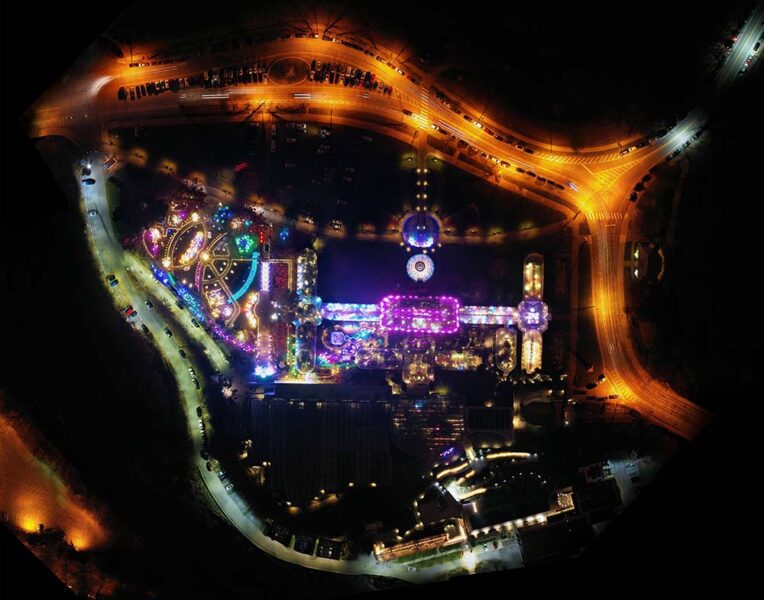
(340, 311)
(534, 315)
(336, 338)
(419, 314)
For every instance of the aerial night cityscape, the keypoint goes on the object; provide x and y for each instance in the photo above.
(322, 299)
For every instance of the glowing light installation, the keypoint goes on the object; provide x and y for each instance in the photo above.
(533, 313)
(419, 314)
(307, 267)
(245, 243)
(412, 314)
(340, 311)
(418, 361)
(249, 309)
(420, 229)
(468, 315)
(533, 276)
(532, 348)
(505, 347)
(151, 239)
(188, 298)
(265, 370)
(265, 276)
(194, 247)
(226, 336)
(221, 216)
(305, 347)
(420, 267)
(488, 315)
(248, 282)
(534, 316)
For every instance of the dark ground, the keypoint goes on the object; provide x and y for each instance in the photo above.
(355, 181)
(703, 345)
(675, 532)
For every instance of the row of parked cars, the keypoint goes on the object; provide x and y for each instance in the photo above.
(501, 137)
(636, 146)
(154, 88)
(750, 58)
(254, 72)
(540, 178)
(678, 150)
(503, 163)
(398, 70)
(640, 187)
(346, 75)
(349, 44)
(445, 100)
(257, 72)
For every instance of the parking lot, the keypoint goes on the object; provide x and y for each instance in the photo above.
(283, 71)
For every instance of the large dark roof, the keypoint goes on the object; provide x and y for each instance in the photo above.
(597, 496)
(554, 540)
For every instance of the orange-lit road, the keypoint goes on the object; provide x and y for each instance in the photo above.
(31, 494)
(597, 180)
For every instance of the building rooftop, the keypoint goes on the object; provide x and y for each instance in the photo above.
(566, 537)
(598, 496)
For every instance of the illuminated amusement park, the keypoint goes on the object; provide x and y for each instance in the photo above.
(333, 313)
(260, 297)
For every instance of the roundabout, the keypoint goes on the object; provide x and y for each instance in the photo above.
(289, 71)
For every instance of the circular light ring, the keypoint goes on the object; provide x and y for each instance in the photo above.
(420, 267)
(420, 230)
